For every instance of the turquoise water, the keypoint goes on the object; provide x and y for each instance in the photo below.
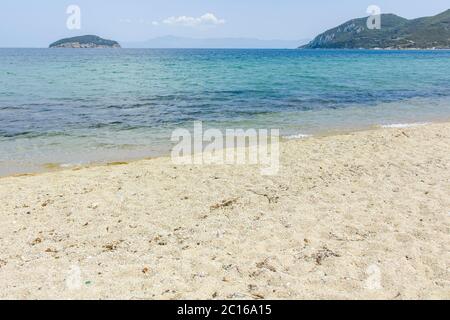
(78, 106)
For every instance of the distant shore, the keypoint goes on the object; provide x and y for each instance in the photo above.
(233, 48)
(381, 49)
(354, 215)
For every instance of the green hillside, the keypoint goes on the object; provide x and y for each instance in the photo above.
(88, 41)
(395, 33)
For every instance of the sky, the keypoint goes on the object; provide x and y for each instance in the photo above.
(25, 23)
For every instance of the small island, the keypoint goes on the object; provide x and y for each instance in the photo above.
(88, 41)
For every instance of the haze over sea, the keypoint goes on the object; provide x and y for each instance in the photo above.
(69, 106)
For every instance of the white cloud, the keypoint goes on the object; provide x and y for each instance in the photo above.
(208, 19)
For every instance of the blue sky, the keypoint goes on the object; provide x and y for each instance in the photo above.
(25, 23)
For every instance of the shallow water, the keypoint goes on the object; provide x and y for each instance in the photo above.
(78, 106)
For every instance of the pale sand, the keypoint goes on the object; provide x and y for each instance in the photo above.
(344, 212)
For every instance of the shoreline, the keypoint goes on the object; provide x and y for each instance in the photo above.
(362, 215)
(56, 167)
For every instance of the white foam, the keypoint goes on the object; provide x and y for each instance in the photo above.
(70, 165)
(404, 125)
(297, 136)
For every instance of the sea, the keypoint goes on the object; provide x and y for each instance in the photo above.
(69, 107)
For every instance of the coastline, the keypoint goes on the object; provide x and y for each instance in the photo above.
(56, 167)
(355, 215)
(380, 49)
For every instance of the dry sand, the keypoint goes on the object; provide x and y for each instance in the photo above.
(360, 215)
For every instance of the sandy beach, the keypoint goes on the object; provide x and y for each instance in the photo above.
(361, 215)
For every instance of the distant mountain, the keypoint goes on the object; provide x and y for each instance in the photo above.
(214, 43)
(395, 33)
(88, 41)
